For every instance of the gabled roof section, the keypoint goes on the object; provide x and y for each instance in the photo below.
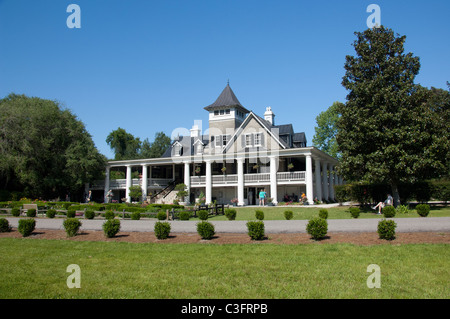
(226, 99)
(263, 124)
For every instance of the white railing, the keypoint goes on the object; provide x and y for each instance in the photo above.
(224, 179)
(257, 178)
(122, 183)
(291, 176)
(201, 180)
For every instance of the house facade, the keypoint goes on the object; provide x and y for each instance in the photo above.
(239, 154)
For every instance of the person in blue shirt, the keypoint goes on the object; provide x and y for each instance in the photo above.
(262, 197)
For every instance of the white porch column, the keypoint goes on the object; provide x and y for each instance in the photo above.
(173, 171)
(318, 179)
(325, 181)
(331, 182)
(309, 180)
(144, 182)
(128, 184)
(106, 183)
(208, 192)
(273, 179)
(187, 177)
(240, 188)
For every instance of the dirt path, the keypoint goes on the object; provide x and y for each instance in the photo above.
(358, 238)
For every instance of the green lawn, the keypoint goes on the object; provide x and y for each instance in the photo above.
(306, 213)
(31, 268)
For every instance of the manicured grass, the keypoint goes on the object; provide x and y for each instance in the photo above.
(306, 213)
(32, 268)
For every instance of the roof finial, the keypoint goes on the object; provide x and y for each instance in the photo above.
(228, 82)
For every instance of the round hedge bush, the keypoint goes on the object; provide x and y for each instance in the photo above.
(4, 225)
(205, 230)
(386, 229)
(259, 214)
(51, 213)
(162, 230)
(15, 212)
(354, 211)
(323, 213)
(71, 225)
(423, 210)
(109, 214)
(161, 215)
(203, 214)
(317, 228)
(26, 226)
(256, 230)
(31, 212)
(288, 214)
(89, 214)
(111, 227)
(70, 213)
(185, 215)
(230, 213)
(388, 211)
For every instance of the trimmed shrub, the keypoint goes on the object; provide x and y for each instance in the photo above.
(185, 215)
(423, 210)
(109, 214)
(259, 214)
(26, 226)
(4, 225)
(51, 213)
(111, 227)
(354, 211)
(136, 216)
(161, 215)
(162, 230)
(386, 229)
(388, 211)
(70, 213)
(15, 212)
(203, 214)
(71, 225)
(89, 214)
(288, 214)
(230, 213)
(205, 229)
(31, 212)
(256, 230)
(323, 213)
(317, 228)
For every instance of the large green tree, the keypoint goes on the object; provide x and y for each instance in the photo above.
(126, 146)
(45, 151)
(387, 131)
(326, 130)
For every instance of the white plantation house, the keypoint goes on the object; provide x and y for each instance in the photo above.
(240, 154)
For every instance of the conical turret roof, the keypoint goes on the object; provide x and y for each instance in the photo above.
(226, 99)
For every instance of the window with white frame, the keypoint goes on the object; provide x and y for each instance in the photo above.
(248, 140)
(257, 139)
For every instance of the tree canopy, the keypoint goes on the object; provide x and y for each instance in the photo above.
(326, 130)
(45, 151)
(390, 129)
(126, 146)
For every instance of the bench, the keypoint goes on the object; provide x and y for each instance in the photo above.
(26, 207)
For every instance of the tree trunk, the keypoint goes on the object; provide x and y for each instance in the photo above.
(395, 194)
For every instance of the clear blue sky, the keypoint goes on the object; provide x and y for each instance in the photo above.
(150, 66)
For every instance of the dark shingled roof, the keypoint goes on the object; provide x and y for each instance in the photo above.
(226, 99)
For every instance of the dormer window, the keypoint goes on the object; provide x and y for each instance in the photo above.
(177, 149)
